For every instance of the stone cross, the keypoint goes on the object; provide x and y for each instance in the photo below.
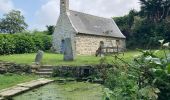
(39, 57)
(68, 50)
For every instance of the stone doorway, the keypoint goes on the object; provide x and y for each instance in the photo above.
(62, 46)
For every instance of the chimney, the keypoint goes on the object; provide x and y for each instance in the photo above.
(64, 6)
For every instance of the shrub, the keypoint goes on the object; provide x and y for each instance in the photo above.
(38, 42)
(24, 43)
(147, 77)
(7, 44)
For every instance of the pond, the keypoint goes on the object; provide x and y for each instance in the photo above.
(64, 91)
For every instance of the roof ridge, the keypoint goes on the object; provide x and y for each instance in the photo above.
(90, 14)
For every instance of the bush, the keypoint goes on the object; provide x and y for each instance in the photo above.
(147, 77)
(24, 43)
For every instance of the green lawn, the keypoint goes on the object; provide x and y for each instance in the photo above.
(13, 79)
(57, 59)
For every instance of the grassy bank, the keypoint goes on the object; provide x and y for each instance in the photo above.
(9, 80)
(57, 59)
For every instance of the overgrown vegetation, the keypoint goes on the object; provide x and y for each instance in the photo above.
(24, 43)
(147, 77)
(144, 28)
(65, 91)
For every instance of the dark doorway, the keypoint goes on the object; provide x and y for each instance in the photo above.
(86, 72)
(62, 46)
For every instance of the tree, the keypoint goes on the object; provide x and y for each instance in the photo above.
(13, 22)
(50, 29)
(155, 10)
(126, 24)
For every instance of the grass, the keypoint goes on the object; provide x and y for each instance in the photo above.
(9, 80)
(57, 59)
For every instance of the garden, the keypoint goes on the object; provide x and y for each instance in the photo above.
(137, 74)
(141, 72)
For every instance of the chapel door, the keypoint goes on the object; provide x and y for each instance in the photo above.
(62, 46)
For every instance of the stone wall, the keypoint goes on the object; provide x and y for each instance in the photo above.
(88, 44)
(8, 67)
(73, 71)
(63, 30)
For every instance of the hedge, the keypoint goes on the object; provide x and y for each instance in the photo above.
(24, 43)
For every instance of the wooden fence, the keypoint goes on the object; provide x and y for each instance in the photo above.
(112, 50)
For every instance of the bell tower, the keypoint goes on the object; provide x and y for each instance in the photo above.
(64, 6)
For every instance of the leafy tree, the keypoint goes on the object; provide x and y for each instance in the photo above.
(50, 29)
(144, 28)
(126, 24)
(155, 10)
(13, 22)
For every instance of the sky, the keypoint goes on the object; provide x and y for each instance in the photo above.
(39, 13)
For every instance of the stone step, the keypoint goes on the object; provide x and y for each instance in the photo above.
(13, 91)
(44, 73)
(45, 70)
(20, 88)
(35, 83)
(47, 66)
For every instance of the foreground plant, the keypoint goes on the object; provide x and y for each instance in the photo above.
(145, 78)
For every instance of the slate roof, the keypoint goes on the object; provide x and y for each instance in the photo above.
(94, 25)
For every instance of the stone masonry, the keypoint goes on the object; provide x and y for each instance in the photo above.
(64, 28)
(87, 44)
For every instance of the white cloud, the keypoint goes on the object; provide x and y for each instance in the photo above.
(49, 12)
(6, 6)
(105, 8)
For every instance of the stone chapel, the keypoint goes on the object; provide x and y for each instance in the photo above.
(86, 31)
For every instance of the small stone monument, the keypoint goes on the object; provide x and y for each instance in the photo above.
(68, 50)
(39, 57)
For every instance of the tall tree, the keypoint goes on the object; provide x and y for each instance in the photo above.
(13, 22)
(155, 10)
(50, 29)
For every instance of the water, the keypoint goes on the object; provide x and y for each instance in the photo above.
(67, 91)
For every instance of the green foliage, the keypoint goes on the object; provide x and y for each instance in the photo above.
(50, 29)
(24, 43)
(146, 78)
(146, 26)
(6, 44)
(155, 10)
(12, 22)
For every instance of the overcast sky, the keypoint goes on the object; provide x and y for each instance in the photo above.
(39, 13)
